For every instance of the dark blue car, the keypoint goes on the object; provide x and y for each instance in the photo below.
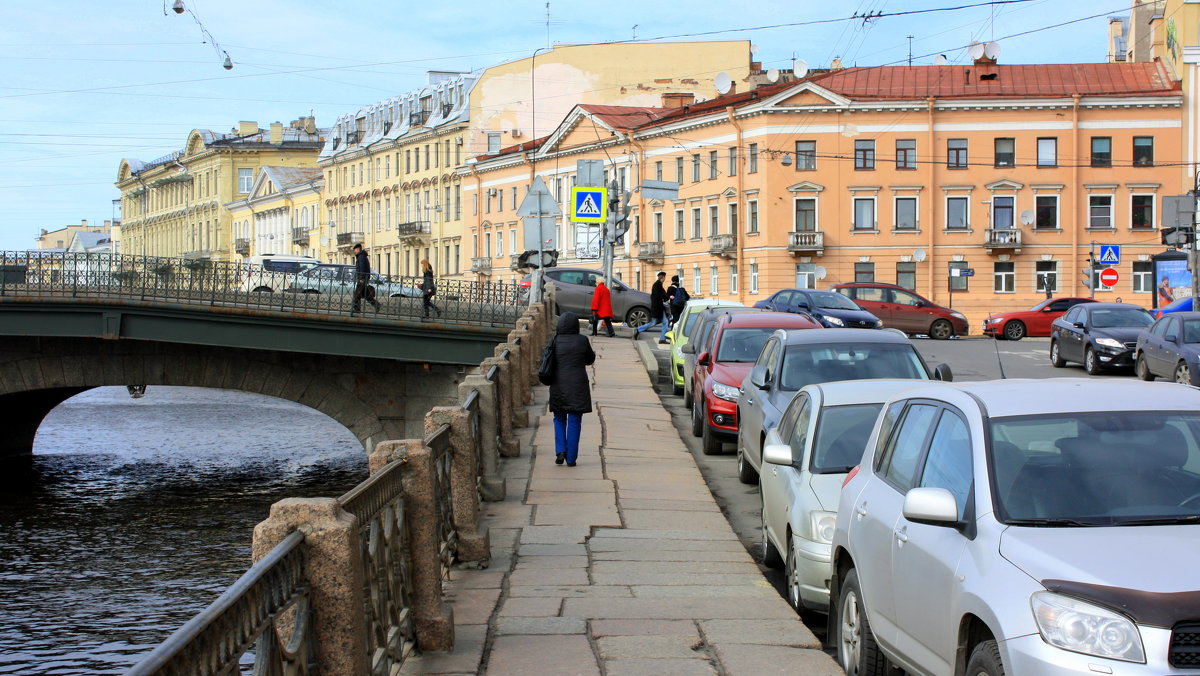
(831, 310)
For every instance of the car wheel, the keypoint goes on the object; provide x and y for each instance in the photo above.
(1014, 330)
(858, 653)
(746, 473)
(985, 660)
(1056, 359)
(676, 389)
(771, 557)
(687, 397)
(263, 289)
(637, 316)
(1183, 375)
(697, 418)
(941, 330)
(791, 579)
(1091, 363)
(1141, 369)
(709, 442)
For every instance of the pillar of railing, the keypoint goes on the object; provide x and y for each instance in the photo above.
(510, 447)
(473, 544)
(483, 388)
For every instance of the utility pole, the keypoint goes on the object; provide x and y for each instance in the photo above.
(1192, 259)
(615, 226)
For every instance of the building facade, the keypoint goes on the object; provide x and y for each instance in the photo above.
(62, 238)
(280, 215)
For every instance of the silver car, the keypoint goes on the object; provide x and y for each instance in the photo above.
(574, 288)
(341, 279)
(1023, 527)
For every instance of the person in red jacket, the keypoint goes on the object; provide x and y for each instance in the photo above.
(602, 307)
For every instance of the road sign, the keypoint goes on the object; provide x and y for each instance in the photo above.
(589, 173)
(1109, 277)
(589, 205)
(538, 202)
(1110, 254)
(663, 190)
(962, 272)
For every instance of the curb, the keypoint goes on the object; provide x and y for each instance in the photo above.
(646, 354)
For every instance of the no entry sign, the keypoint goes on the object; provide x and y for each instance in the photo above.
(1109, 277)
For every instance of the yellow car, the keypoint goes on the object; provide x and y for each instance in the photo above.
(678, 335)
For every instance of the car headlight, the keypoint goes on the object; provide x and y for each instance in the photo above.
(1082, 627)
(879, 323)
(726, 392)
(822, 526)
(836, 321)
(956, 313)
(994, 320)
(1109, 342)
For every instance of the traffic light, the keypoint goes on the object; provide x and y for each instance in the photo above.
(529, 259)
(1178, 236)
(1089, 273)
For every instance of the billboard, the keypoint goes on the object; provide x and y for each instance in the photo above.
(1172, 280)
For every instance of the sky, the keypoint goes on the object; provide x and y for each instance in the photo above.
(88, 83)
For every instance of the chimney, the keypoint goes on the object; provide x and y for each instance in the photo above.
(83, 223)
(678, 99)
(247, 128)
(107, 224)
(276, 134)
(309, 124)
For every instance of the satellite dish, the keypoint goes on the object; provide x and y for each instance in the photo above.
(991, 50)
(723, 82)
(975, 50)
(753, 49)
(919, 255)
(1027, 217)
(800, 67)
(821, 272)
(939, 60)
(773, 75)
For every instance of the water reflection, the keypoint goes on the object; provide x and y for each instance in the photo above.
(138, 513)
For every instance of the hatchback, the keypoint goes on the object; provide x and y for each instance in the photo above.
(1170, 348)
(680, 334)
(899, 308)
(573, 289)
(698, 339)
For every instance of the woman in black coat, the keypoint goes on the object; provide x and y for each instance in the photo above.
(427, 288)
(570, 393)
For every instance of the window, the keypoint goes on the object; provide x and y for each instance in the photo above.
(712, 280)
(754, 278)
(1046, 212)
(752, 164)
(1142, 207)
(864, 155)
(900, 456)
(1100, 212)
(752, 216)
(1006, 152)
(500, 193)
(1143, 277)
(245, 180)
(864, 272)
(806, 214)
(487, 245)
(1047, 276)
(958, 283)
(493, 146)
(956, 213)
(806, 155)
(733, 159)
(712, 164)
(499, 243)
(733, 218)
(679, 170)
(956, 153)
(906, 154)
(1002, 212)
(864, 213)
(1004, 277)
(906, 213)
(696, 167)
(733, 277)
(1143, 151)
(1047, 152)
(695, 222)
(714, 221)
(806, 275)
(679, 225)
(948, 463)
(658, 226)
(696, 279)
(658, 175)
(1101, 151)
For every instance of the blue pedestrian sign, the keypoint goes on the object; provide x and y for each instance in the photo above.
(1110, 254)
(589, 205)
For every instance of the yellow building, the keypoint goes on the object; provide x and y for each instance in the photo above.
(62, 237)
(890, 174)
(281, 215)
(174, 205)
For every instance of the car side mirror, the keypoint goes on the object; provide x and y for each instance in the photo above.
(933, 506)
(1171, 338)
(919, 303)
(802, 306)
(758, 376)
(1078, 325)
(1048, 309)
(943, 373)
(619, 289)
(688, 349)
(777, 454)
(860, 307)
(702, 360)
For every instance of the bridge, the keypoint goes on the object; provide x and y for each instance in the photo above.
(75, 321)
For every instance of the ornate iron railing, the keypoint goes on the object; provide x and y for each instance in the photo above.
(247, 616)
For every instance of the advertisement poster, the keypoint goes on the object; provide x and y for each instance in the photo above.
(587, 241)
(1173, 281)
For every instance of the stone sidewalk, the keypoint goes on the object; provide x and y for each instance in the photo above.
(622, 565)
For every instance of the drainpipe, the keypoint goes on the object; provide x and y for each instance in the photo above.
(931, 284)
(737, 236)
(1075, 98)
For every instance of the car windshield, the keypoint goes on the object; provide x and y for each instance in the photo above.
(842, 433)
(1114, 317)
(742, 345)
(1111, 468)
(689, 320)
(831, 300)
(827, 362)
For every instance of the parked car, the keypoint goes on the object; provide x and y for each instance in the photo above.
(807, 456)
(574, 288)
(267, 273)
(1035, 321)
(1181, 305)
(736, 342)
(832, 310)
(1170, 348)
(698, 338)
(678, 336)
(341, 279)
(1022, 527)
(899, 308)
(792, 359)
(1098, 335)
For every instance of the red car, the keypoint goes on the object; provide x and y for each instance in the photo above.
(723, 363)
(1034, 322)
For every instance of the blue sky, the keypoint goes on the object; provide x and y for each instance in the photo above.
(87, 83)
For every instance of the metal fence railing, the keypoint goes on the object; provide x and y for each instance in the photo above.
(287, 287)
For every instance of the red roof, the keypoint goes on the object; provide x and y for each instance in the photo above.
(624, 118)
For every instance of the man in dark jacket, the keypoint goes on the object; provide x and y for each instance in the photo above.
(362, 281)
(570, 394)
(658, 309)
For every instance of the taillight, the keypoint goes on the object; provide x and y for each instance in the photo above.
(525, 284)
(853, 473)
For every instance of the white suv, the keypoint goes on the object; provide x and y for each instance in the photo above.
(266, 273)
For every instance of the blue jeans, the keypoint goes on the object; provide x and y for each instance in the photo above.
(661, 319)
(566, 434)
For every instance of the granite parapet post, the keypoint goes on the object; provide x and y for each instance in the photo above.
(510, 447)
(491, 483)
(473, 543)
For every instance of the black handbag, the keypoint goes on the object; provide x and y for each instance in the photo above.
(548, 365)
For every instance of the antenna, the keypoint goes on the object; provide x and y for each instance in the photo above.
(635, 31)
(992, 50)
(547, 25)
(910, 39)
(773, 75)
(919, 255)
(800, 68)
(939, 60)
(723, 82)
(975, 50)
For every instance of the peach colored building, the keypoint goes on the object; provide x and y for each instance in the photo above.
(889, 174)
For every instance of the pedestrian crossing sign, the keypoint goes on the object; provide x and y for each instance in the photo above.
(589, 205)
(1110, 254)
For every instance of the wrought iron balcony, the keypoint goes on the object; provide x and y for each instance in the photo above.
(347, 240)
(242, 246)
(481, 265)
(413, 230)
(806, 241)
(300, 236)
(1002, 238)
(650, 251)
(724, 246)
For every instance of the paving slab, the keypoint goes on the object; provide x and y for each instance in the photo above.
(569, 655)
(586, 515)
(760, 632)
(530, 607)
(740, 659)
(645, 628)
(680, 647)
(539, 626)
(657, 667)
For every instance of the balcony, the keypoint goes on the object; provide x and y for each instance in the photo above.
(806, 242)
(197, 255)
(724, 246)
(651, 252)
(300, 236)
(1005, 239)
(481, 266)
(242, 246)
(413, 232)
(347, 240)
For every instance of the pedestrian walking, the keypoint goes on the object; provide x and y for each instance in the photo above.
(659, 309)
(428, 288)
(362, 281)
(678, 297)
(602, 307)
(570, 394)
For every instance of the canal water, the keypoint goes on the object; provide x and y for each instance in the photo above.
(138, 513)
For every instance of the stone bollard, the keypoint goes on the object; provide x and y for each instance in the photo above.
(514, 383)
(473, 543)
(433, 619)
(526, 370)
(334, 565)
(491, 484)
(510, 446)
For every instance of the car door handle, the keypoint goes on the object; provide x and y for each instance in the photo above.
(861, 509)
(749, 401)
(901, 535)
